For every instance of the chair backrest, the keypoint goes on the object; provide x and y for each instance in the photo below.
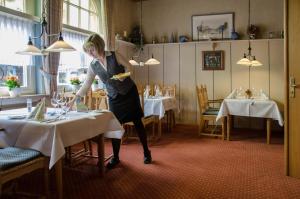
(97, 100)
(69, 96)
(205, 96)
(202, 102)
(140, 89)
(169, 90)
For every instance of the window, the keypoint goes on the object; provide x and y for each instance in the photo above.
(13, 32)
(81, 14)
(18, 5)
(73, 63)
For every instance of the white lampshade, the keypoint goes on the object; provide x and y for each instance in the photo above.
(60, 46)
(244, 61)
(133, 62)
(256, 63)
(30, 49)
(152, 61)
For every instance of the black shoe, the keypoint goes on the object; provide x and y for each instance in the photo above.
(147, 158)
(112, 163)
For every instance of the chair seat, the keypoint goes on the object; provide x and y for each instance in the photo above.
(13, 156)
(211, 111)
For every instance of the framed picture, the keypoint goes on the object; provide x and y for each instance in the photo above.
(212, 26)
(213, 60)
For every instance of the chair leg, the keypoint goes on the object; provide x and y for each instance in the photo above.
(201, 126)
(90, 147)
(173, 118)
(223, 127)
(46, 179)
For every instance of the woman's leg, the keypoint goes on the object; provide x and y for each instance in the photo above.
(116, 148)
(141, 131)
(116, 143)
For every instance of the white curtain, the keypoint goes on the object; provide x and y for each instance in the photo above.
(76, 58)
(14, 33)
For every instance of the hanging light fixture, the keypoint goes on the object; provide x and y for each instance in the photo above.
(59, 46)
(249, 59)
(152, 60)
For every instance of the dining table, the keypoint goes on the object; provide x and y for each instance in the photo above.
(57, 131)
(157, 106)
(253, 107)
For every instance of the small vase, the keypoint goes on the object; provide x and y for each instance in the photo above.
(95, 87)
(75, 87)
(15, 92)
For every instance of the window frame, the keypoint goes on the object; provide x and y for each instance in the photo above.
(68, 4)
(30, 71)
(3, 2)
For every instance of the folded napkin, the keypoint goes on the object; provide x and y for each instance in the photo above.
(232, 95)
(264, 96)
(39, 111)
(158, 92)
(146, 93)
(81, 107)
(40, 114)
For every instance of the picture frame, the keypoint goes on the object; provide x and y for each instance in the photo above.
(213, 60)
(212, 26)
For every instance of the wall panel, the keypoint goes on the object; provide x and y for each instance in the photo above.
(188, 100)
(156, 72)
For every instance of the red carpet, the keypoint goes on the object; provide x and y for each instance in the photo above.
(185, 166)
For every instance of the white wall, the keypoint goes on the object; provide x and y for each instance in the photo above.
(181, 64)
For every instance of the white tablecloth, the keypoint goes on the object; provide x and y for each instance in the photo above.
(159, 105)
(250, 108)
(51, 138)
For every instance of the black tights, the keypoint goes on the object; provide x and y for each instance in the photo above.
(141, 131)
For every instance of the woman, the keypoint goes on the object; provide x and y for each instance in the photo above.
(123, 96)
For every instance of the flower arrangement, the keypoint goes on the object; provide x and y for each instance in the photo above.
(248, 93)
(12, 81)
(75, 81)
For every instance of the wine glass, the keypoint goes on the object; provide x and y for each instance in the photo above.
(54, 101)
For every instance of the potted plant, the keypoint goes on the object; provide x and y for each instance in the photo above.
(75, 82)
(13, 85)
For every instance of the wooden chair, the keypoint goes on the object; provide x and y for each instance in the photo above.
(208, 114)
(170, 91)
(146, 120)
(97, 100)
(16, 162)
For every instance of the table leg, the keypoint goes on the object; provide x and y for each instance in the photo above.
(229, 118)
(159, 128)
(269, 121)
(100, 144)
(58, 175)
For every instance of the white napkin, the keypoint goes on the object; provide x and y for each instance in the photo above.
(35, 110)
(146, 93)
(81, 107)
(232, 95)
(264, 96)
(40, 114)
(39, 111)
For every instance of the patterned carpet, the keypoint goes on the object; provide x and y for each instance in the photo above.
(185, 166)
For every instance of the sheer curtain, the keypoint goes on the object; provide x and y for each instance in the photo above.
(108, 25)
(78, 58)
(14, 33)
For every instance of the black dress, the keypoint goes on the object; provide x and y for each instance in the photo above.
(124, 99)
(127, 107)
